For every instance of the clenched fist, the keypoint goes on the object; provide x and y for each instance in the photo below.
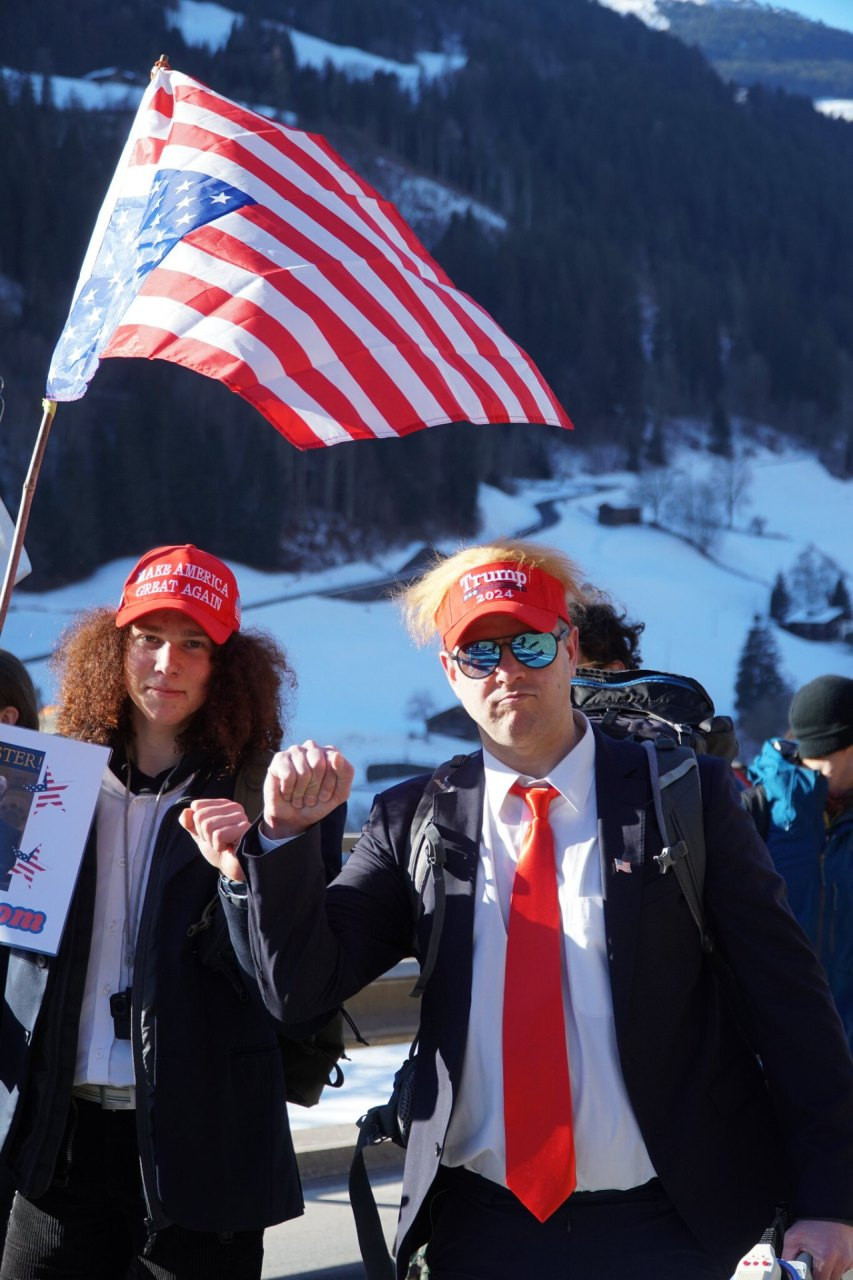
(303, 785)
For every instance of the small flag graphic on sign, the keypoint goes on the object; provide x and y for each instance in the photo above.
(47, 792)
(27, 864)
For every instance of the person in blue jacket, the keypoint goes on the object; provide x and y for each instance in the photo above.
(787, 802)
(822, 723)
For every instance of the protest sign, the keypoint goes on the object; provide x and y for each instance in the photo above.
(48, 789)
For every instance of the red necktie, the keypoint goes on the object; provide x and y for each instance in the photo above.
(540, 1148)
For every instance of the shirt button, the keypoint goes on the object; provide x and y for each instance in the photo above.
(112, 925)
(99, 1053)
(107, 990)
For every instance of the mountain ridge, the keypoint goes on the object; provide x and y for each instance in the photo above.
(660, 244)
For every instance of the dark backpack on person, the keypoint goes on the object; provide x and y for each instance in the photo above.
(645, 704)
(678, 810)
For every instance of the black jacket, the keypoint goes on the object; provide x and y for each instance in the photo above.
(215, 1147)
(725, 1146)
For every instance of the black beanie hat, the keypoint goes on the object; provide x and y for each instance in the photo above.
(822, 716)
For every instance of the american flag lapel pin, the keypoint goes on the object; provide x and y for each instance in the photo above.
(622, 864)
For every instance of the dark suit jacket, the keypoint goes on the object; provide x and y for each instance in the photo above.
(726, 1143)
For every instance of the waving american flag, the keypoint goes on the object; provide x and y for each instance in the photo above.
(253, 254)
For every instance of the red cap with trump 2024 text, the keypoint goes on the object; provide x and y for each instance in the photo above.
(504, 586)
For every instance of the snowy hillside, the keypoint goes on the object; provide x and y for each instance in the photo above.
(652, 11)
(358, 671)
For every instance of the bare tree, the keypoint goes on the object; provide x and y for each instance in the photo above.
(651, 489)
(733, 478)
(693, 508)
(812, 579)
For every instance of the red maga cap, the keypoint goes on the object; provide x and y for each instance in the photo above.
(504, 586)
(187, 580)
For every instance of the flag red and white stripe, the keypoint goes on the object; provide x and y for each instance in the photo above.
(27, 864)
(49, 792)
(252, 253)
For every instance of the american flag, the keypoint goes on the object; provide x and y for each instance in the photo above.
(49, 791)
(27, 864)
(253, 254)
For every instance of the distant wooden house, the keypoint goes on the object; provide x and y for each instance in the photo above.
(610, 515)
(822, 624)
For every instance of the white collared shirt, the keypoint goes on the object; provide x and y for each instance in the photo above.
(609, 1150)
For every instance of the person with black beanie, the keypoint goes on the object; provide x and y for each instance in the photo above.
(822, 724)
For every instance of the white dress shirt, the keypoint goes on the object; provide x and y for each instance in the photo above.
(609, 1150)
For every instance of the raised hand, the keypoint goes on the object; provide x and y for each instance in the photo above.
(217, 826)
(303, 785)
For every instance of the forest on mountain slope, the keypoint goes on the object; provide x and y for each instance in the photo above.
(673, 249)
(768, 46)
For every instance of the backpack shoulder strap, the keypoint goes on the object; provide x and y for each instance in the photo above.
(427, 854)
(678, 807)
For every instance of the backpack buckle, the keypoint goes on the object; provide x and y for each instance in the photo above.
(669, 855)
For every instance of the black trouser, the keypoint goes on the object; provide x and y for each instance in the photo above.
(89, 1225)
(480, 1231)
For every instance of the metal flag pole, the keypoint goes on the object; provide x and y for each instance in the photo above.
(49, 407)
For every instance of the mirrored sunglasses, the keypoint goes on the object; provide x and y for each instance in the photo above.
(532, 649)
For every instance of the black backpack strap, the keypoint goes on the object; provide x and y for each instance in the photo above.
(678, 807)
(378, 1263)
(388, 1122)
(427, 855)
(678, 803)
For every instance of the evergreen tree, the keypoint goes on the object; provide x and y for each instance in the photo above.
(720, 436)
(762, 695)
(656, 445)
(847, 460)
(780, 600)
(645, 274)
(758, 674)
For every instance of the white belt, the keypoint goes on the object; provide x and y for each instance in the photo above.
(112, 1097)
